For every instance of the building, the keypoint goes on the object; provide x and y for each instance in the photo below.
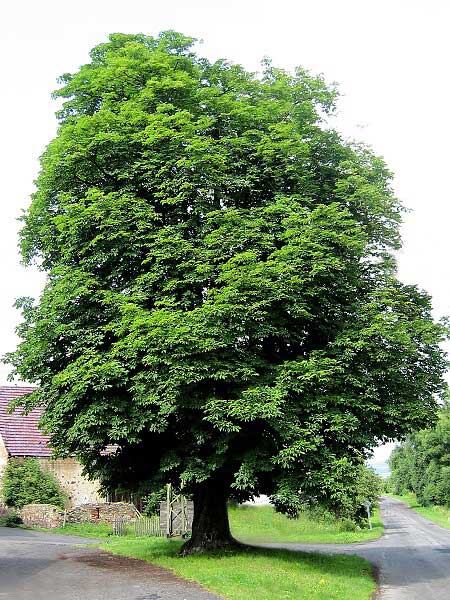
(20, 437)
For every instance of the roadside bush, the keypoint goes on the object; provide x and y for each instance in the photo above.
(24, 482)
(369, 487)
(443, 487)
(365, 486)
(347, 525)
(9, 518)
(348, 510)
(320, 514)
(151, 502)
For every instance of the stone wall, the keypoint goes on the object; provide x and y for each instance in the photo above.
(42, 515)
(68, 473)
(103, 512)
(48, 516)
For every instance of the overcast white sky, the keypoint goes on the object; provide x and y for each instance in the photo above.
(390, 58)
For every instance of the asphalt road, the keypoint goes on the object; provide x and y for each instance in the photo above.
(412, 558)
(40, 566)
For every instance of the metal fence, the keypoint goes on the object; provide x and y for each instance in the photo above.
(140, 527)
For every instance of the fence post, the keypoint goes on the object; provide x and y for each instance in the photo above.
(183, 504)
(169, 510)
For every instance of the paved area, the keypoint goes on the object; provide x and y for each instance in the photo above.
(40, 566)
(412, 558)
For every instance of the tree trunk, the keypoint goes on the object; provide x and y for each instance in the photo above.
(210, 526)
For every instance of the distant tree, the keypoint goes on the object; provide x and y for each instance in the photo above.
(403, 466)
(422, 463)
(24, 482)
(222, 301)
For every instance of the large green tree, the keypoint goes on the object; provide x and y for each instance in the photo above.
(222, 302)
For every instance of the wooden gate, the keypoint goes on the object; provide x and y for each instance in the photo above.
(176, 514)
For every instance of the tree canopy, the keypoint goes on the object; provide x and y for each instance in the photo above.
(222, 303)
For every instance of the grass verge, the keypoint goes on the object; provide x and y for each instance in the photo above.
(90, 530)
(438, 514)
(258, 574)
(262, 524)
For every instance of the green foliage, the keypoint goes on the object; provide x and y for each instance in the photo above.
(366, 487)
(152, 500)
(347, 524)
(222, 301)
(350, 496)
(421, 465)
(24, 482)
(9, 518)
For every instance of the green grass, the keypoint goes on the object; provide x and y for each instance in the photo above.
(263, 524)
(92, 530)
(258, 574)
(438, 514)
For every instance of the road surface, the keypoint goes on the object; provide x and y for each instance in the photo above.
(41, 566)
(412, 558)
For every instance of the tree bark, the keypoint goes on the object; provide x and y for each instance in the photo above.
(210, 526)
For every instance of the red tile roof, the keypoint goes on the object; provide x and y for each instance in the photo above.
(20, 433)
